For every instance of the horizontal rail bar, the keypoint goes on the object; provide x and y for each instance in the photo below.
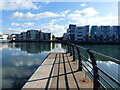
(102, 85)
(88, 70)
(88, 65)
(106, 82)
(99, 54)
(111, 78)
(86, 59)
(106, 57)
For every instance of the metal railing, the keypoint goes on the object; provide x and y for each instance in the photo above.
(87, 61)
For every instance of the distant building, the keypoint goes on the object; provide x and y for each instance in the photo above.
(82, 33)
(47, 36)
(33, 35)
(93, 33)
(115, 33)
(104, 32)
(79, 33)
(13, 36)
(65, 36)
(71, 31)
(24, 36)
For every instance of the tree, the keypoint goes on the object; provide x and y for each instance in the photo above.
(53, 37)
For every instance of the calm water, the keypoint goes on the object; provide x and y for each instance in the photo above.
(20, 60)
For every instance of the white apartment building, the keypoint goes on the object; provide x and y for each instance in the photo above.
(94, 33)
(47, 36)
(42, 36)
(18, 37)
(115, 33)
(104, 32)
(81, 33)
(33, 35)
(24, 36)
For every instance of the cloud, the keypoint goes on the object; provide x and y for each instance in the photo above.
(97, 20)
(15, 30)
(47, 1)
(31, 16)
(22, 25)
(65, 12)
(55, 29)
(88, 12)
(83, 4)
(56, 20)
(18, 5)
(89, 16)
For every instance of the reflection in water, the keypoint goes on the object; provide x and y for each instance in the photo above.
(58, 48)
(20, 60)
(109, 66)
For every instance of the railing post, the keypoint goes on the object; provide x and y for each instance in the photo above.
(73, 52)
(70, 50)
(80, 60)
(95, 70)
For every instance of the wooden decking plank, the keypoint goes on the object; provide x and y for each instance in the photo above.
(80, 76)
(70, 77)
(61, 78)
(55, 73)
(39, 78)
(64, 74)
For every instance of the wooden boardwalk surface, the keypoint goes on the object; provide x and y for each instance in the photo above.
(59, 71)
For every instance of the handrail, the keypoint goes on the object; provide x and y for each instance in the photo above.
(76, 49)
(100, 54)
(106, 57)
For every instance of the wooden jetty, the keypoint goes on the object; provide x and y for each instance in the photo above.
(59, 70)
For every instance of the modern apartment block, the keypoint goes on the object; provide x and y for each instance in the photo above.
(71, 32)
(33, 35)
(82, 33)
(105, 33)
(93, 33)
(115, 33)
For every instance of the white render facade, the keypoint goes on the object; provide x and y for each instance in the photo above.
(33, 35)
(94, 33)
(105, 33)
(81, 33)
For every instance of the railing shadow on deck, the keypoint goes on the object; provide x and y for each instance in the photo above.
(58, 75)
(87, 61)
(53, 76)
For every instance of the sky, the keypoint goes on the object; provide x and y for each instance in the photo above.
(54, 17)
